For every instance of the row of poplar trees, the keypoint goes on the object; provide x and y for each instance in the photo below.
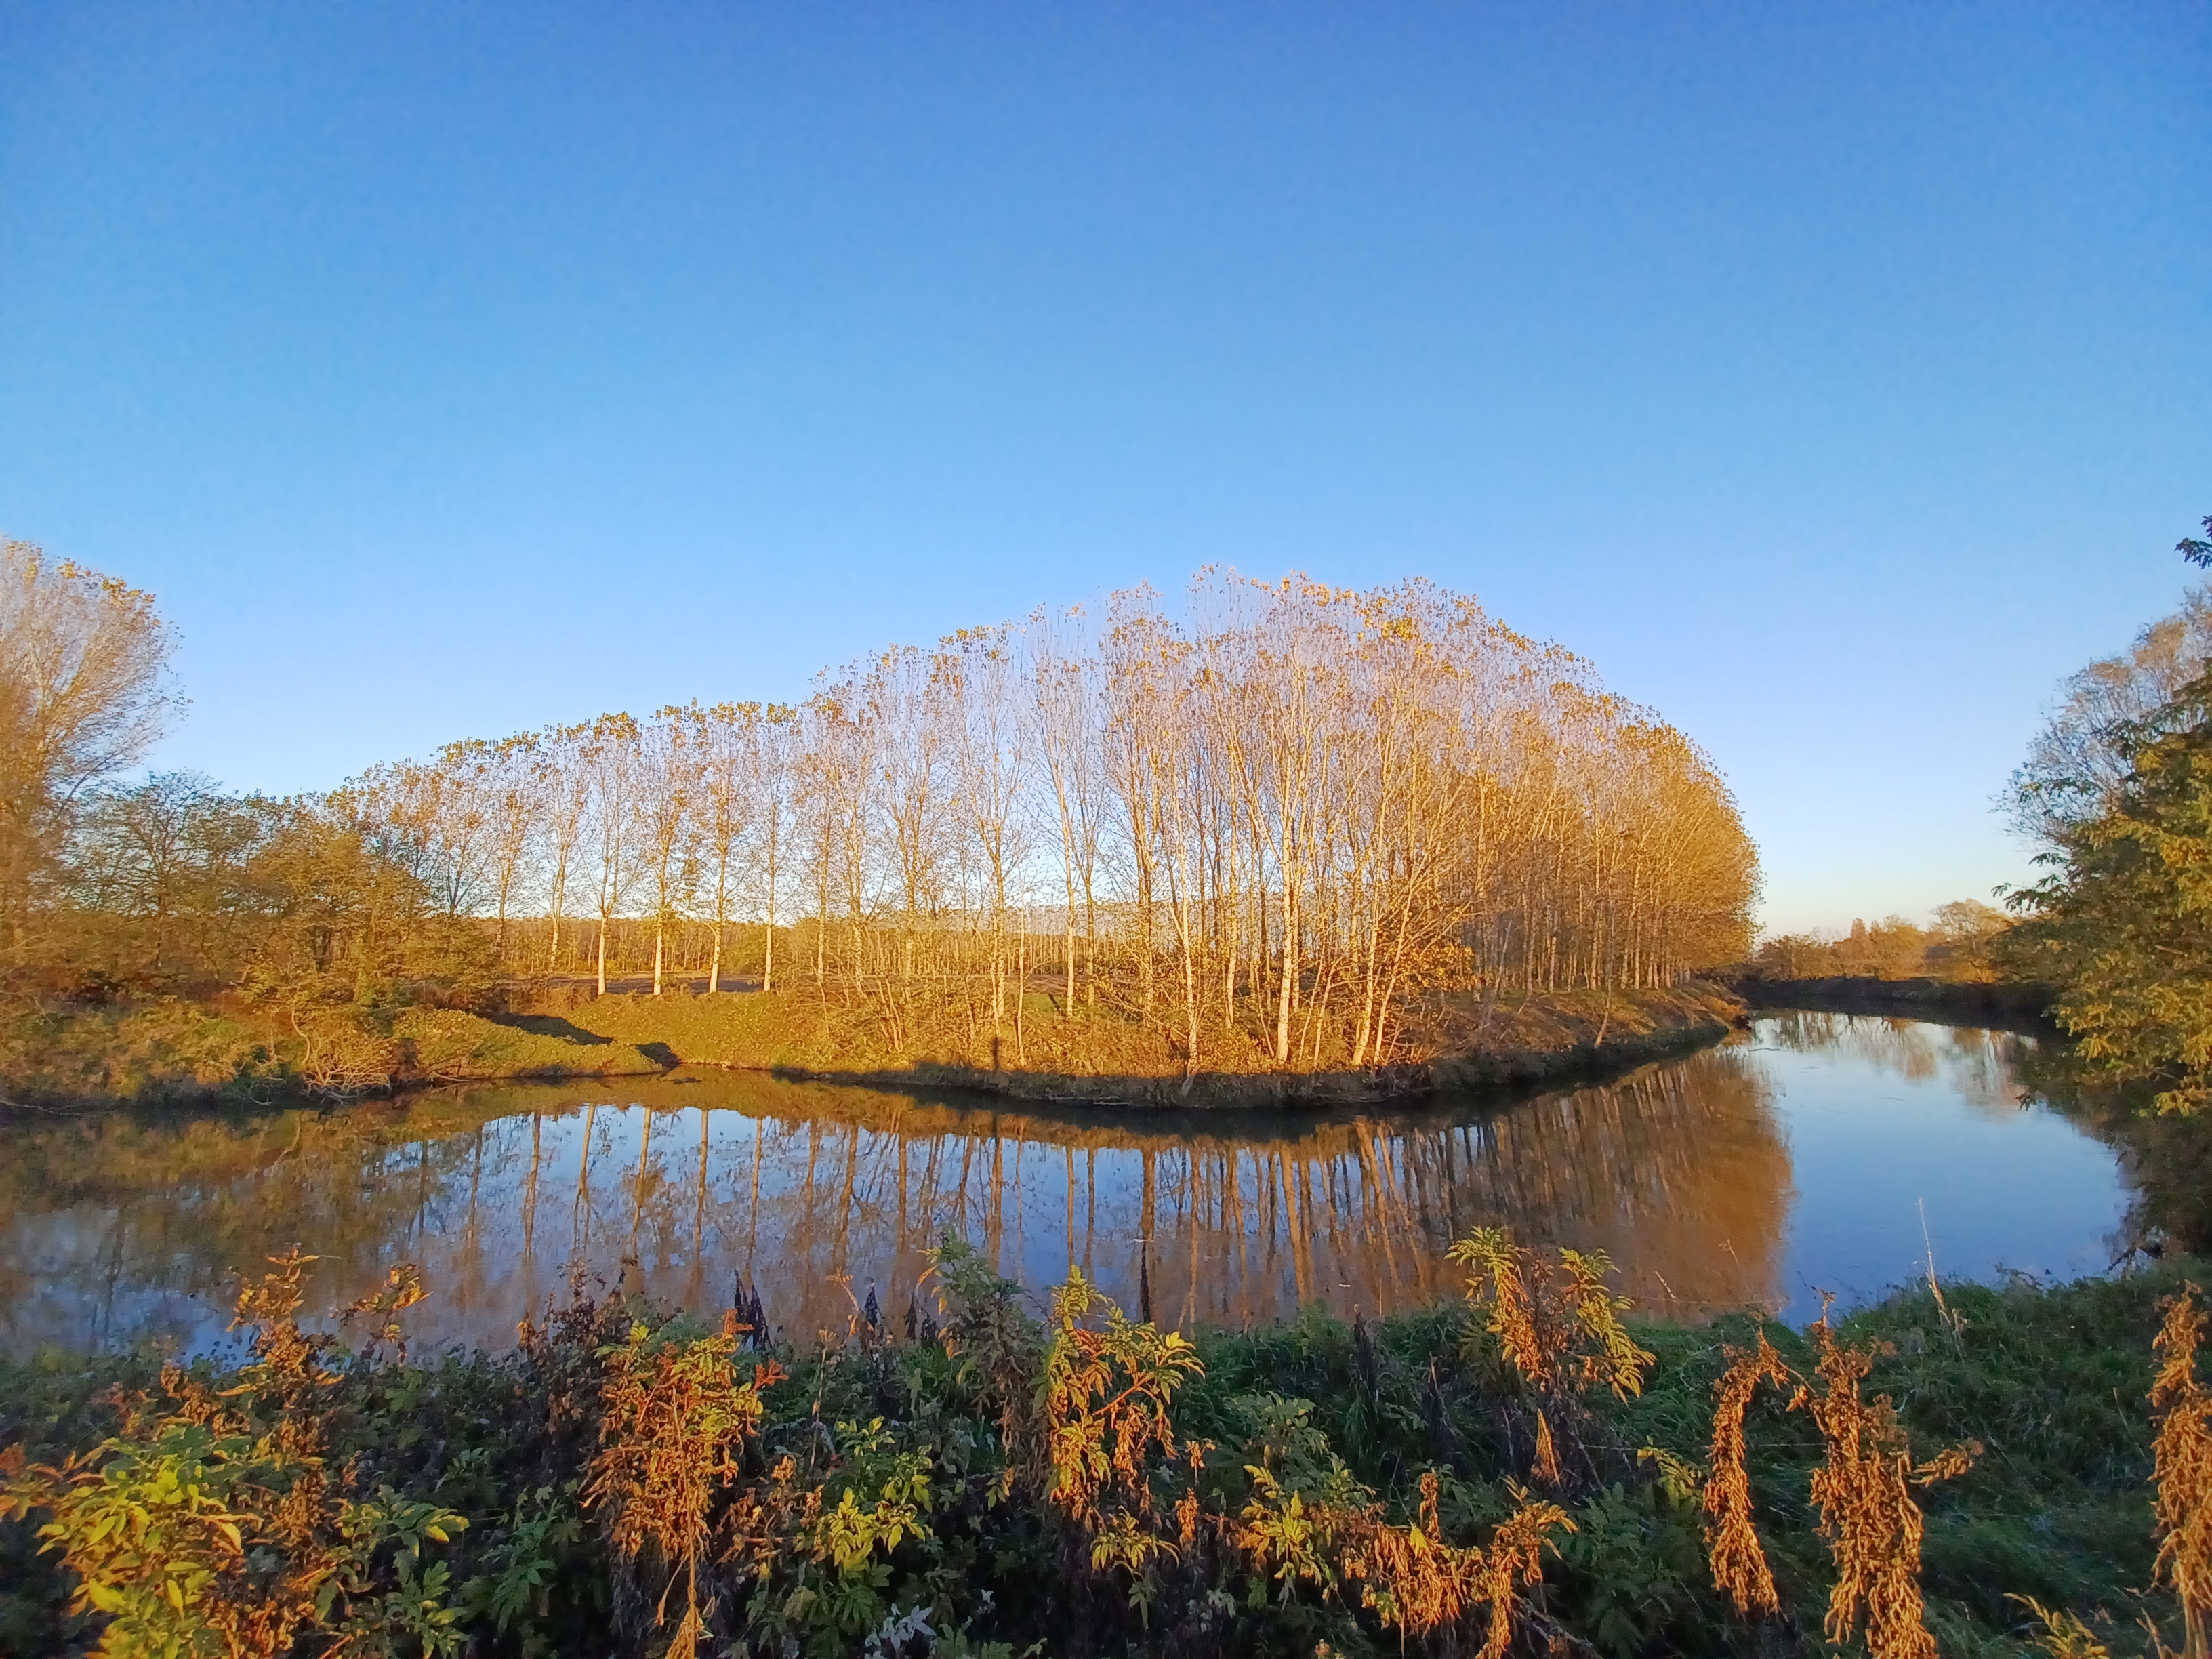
(1287, 800)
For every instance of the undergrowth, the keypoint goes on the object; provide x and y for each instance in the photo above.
(1530, 1469)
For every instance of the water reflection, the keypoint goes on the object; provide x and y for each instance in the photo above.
(117, 1228)
(1981, 1067)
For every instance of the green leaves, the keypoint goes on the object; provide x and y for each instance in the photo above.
(2123, 925)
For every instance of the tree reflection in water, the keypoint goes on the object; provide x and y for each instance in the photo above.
(1981, 1065)
(120, 1228)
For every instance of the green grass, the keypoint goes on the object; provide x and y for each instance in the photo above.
(448, 1043)
(2049, 1380)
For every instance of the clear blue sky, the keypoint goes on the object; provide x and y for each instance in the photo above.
(1835, 376)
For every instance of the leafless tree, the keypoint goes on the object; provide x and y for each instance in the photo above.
(83, 660)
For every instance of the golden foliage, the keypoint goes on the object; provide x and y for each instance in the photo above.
(1504, 1277)
(1739, 1564)
(212, 1525)
(1862, 1490)
(2064, 1636)
(1560, 1329)
(1413, 1580)
(1610, 1355)
(1561, 1338)
(1106, 1396)
(676, 1419)
(2183, 1465)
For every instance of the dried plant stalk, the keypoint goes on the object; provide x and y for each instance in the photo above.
(1513, 1562)
(1867, 1513)
(2183, 1467)
(1547, 1462)
(1739, 1564)
(1559, 1327)
(1413, 1580)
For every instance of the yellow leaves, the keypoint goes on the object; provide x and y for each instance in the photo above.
(1277, 1532)
(1408, 1575)
(1123, 1542)
(848, 1535)
(1614, 1358)
(2064, 1636)
(1564, 1339)
(2183, 1467)
(189, 1541)
(1105, 1396)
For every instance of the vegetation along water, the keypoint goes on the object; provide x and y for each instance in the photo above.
(1249, 1310)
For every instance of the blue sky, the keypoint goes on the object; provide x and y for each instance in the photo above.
(1835, 377)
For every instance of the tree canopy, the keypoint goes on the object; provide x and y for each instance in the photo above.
(2121, 793)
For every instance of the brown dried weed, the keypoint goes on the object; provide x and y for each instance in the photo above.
(2182, 1469)
(1739, 1563)
(1862, 1490)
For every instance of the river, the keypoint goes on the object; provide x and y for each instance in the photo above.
(1812, 1152)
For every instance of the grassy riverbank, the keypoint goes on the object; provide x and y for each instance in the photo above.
(1457, 1039)
(176, 1051)
(1076, 1484)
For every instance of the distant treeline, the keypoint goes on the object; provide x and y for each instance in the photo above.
(2115, 792)
(1293, 807)
(1960, 947)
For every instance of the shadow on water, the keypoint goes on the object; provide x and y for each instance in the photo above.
(119, 1228)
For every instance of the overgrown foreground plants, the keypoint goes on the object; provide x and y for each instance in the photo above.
(1523, 1472)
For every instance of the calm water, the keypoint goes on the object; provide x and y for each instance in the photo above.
(1801, 1156)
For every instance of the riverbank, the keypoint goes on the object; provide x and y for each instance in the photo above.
(1458, 1041)
(1293, 1485)
(175, 1052)
(195, 1052)
(1999, 1005)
